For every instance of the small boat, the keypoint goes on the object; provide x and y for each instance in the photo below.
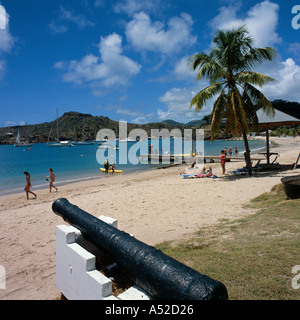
(58, 143)
(83, 143)
(21, 144)
(128, 140)
(110, 171)
(61, 144)
(107, 146)
(291, 186)
(99, 142)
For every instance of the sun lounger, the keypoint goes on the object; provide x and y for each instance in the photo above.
(244, 170)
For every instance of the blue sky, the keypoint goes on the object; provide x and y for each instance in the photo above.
(127, 59)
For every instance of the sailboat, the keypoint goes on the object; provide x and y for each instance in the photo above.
(58, 143)
(21, 144)
(83, 142)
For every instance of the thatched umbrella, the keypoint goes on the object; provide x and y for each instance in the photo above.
(280, 119)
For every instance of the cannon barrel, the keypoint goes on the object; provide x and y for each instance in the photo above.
(156, 273)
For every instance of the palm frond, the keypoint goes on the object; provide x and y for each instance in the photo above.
(239, 112)
(218, 113)
(252, 77)
(208, 67)
(259, 99)
(258, 55)
(250, 110)
(204, 95)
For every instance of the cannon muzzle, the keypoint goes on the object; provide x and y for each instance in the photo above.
(156, 273)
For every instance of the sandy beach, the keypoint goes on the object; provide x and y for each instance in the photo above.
(154, 206)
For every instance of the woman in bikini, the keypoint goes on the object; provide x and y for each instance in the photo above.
(52, 179)
(28, 186)
(223, 160)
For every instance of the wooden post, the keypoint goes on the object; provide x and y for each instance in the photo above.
(295, 166)
(268, 145)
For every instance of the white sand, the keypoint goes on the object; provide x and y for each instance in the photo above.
(155, 206)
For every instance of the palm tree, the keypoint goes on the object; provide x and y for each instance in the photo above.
(229, 68)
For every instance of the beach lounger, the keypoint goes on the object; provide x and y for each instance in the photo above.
(244, 170)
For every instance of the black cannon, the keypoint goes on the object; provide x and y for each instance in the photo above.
(156, 273)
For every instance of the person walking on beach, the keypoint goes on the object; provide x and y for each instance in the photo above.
(28, 186)
(52, 179)
(223, 160)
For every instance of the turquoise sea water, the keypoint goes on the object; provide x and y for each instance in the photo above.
(76, 163)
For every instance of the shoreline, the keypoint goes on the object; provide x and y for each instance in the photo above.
(154, 206)
(41, 186)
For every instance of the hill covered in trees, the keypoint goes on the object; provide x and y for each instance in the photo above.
(80, 126)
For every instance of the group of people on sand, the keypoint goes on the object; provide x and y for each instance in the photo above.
(28, 183)
(198, 173)
(230, 152)
(108, 167)
(204, 173)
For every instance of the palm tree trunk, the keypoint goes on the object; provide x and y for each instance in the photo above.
(247, 154)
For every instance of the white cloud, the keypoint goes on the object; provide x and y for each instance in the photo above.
(183, 71)
(66, 16)
(99, 3)
(14, 123)
(133, 6)
(110, 68)
(146, 35)
(2, 68)
(294, 48)
(6, 39)
(287, 76)
(261, 21)
(177, 101)
(127, 112)
(3, 22)
(139, 117)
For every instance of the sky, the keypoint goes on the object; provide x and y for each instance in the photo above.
(127, 59)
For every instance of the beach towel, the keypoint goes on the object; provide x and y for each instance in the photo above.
(187, 176)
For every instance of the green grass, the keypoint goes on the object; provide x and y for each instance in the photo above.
(253, 256)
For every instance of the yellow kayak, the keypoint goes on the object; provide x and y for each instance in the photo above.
(110, 171)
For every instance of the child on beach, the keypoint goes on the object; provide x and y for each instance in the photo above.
(52, 179)
(209, 173)
(28, 186)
